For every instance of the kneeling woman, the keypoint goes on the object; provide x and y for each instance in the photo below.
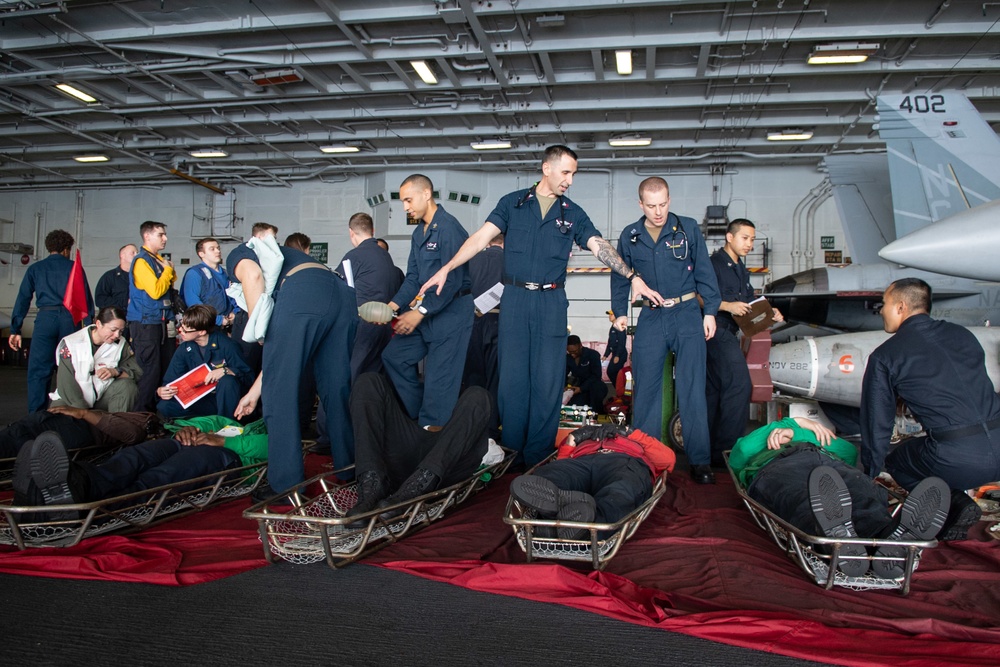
(97, 368)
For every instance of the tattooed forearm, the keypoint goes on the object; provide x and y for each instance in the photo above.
(610, 258)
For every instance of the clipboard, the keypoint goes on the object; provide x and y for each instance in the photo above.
(757, 319)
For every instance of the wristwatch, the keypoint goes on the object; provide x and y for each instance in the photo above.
(632, 276)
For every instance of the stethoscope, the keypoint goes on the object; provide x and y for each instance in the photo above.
(673, 244)
(561, 224)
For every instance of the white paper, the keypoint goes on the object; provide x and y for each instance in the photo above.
(348, 273)
(489, 299)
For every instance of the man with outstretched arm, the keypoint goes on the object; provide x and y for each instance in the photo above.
(540, 226)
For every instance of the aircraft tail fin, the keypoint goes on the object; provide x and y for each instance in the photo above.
(942, 157)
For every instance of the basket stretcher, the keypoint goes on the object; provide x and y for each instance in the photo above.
(598, 551)
(49, 525)
(819, 556)
(304, 529)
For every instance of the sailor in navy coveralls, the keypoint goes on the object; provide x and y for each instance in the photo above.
(540, 226)
(669, 251)
(437, 328)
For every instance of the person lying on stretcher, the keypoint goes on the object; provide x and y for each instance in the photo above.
(799, 470)
(44, 475)
(601, 474)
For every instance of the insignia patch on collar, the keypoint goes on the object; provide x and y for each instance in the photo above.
(432, 246)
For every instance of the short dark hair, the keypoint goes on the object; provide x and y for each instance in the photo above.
(262, 227)
(110, 313)
(914, 292)
(149, 227)
(418, 180)
(200, 245)
(299, 241)
(573, 340)
(58, 240)
(555, 153)
(362, 223)
(200, 317)
(653, 184)
(735, 225)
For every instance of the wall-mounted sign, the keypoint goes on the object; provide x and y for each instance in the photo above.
(826, 242)
(833, 256)
(320, 252)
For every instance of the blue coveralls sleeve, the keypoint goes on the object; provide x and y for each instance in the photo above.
(501, 213)
(620, 287)
(704, 273)
(583, 230)
(191, 287)
(24, 295)
(408, 290)
(178, 367)
(878, 414)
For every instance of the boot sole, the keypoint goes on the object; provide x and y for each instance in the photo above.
(50, 469)
(831, 504)
(536, 492)
(923, 513)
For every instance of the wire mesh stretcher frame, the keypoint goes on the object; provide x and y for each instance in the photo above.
(316, 527)
(67, 525)
(807, 551)
(598, 552)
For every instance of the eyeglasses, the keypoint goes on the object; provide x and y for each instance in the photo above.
(184, 329)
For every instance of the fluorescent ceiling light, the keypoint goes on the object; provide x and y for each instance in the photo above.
(491, 144)
(77, 93)
(208, 152)
(623, 60)
(629, 142)
(842, 54)
(339, 148)
(91, 158)
(790, 135)
(423, 70)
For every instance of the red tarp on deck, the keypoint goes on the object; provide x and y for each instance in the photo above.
(699, 565)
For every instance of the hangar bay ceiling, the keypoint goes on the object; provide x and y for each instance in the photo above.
(267, 85)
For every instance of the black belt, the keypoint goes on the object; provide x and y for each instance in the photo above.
(965, 431)
(531, 287)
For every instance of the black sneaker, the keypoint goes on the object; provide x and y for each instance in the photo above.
(50, 469)
(831, 505)
(964, 514)
(920, 518)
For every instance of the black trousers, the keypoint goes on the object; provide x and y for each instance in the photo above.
(482, 363)
(388, 442)
(963, 463)
(75, 433)
(618, 482)
(154, 463)
(153, 350)
(727, 391)
(782, 486)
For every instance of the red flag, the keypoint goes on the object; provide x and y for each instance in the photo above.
(76, 292)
